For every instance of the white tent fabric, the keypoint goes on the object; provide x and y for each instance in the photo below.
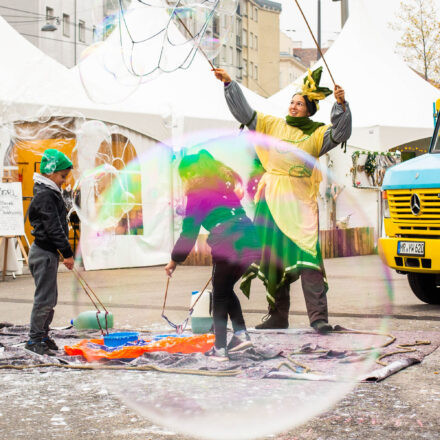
(390, 103)
(34, 86)
(191, 98)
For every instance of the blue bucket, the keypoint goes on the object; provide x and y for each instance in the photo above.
(118, 339)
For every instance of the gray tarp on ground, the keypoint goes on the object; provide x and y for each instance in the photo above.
(330, 357)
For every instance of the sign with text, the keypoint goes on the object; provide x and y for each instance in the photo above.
(11, 209)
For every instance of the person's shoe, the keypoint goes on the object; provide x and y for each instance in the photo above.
(239, 341)
(217, 354)
(50, 343)
(273, 321)
(321, 326)
(40, 348)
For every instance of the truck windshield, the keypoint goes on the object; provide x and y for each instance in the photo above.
(435, 142)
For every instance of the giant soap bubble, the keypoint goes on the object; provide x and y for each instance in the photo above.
(287, 377)
(139, 40)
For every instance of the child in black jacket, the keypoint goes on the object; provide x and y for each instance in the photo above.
(48, 217)
(212, 202)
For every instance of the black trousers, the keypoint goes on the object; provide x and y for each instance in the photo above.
(44, 268)
(315, 295)
(225, 301)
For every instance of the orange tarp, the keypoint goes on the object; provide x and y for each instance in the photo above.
(89, 348)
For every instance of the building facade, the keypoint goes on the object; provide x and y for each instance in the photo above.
(261, 46)
(291, 66)
(60, 28)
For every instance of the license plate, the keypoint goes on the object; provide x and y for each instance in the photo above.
(411, 248)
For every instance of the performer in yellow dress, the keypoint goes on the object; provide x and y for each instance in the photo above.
(286, 214)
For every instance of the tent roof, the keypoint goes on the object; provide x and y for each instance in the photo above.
(193, 94)
(33, 84)
(390, 103)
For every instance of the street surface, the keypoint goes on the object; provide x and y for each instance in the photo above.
(74, 404)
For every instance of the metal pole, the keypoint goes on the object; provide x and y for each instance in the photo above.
(74, 34)
(344, 12)
(318, 56)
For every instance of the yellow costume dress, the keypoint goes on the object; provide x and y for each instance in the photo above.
(286, 214)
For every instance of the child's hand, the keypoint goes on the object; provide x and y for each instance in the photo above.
(170, 268)
(69, 262)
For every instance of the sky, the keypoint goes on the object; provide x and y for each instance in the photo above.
(291, 18)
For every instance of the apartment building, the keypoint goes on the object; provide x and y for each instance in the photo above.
(60, 28)
(291, 65)
(261, 46)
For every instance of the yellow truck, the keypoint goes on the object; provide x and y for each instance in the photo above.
(411, 211)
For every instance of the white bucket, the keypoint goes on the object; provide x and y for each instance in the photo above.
(201, 318)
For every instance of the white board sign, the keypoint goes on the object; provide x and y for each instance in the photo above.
(11, 209)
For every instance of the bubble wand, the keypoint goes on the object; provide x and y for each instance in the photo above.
(180, 328)
(191, 35)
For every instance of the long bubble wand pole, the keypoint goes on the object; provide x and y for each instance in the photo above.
(316, 42)
(318, 47)
(191, 35)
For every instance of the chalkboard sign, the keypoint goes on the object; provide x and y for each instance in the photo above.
(11, 210)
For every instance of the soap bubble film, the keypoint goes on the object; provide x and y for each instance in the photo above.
(138, 41)
(287, 377)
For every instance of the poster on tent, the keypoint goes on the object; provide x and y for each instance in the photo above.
(11, 210)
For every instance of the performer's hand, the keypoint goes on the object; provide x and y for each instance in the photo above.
(222, 75)
(69, 262)
(339, 94)
(170, 268)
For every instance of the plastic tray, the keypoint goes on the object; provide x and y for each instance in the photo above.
(121, 338)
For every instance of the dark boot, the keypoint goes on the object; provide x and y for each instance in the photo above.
(322, 327)
(278, 316)
(273, 320)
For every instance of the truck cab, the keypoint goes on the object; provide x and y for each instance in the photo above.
(411, 211)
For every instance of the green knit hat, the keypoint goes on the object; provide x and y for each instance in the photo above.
(53, 161)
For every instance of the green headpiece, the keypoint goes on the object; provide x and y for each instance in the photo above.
(311, 87)
(53, 161)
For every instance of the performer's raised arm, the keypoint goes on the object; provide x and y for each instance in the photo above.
(237, 103)
(340, 117)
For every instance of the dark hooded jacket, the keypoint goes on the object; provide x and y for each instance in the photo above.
(48, 218)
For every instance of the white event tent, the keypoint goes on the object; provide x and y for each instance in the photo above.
(390, 105)
(35, 87)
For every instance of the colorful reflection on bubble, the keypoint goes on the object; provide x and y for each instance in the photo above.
(257, 401)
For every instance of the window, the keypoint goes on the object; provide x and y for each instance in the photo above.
(251, 40)
(244, 37)
(251, 69)
(82, 31)
(244, 67)
(66, 25)
(95, 34)
(256, 72)
(231, 56)
(49, 14)
(256, 14)
(121, 154)
(223, 54)
(239, 64)
(256, 43)
(251, 10)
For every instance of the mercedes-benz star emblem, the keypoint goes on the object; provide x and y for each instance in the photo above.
(415, 204)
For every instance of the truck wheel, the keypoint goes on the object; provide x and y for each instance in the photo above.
(425, 286)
